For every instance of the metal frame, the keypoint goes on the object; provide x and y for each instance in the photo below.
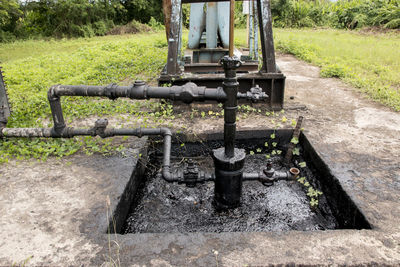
(265, 26)
(269, 78)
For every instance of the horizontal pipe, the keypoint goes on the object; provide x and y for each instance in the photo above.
(69, 132)
(26, 132)
(102, 131)
(186, 93)
(249, 176)
(275, 176)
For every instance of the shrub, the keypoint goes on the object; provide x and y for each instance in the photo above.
(132, 27)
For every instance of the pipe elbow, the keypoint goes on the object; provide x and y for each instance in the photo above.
(165, 131)
(167, 175)
(52, 94)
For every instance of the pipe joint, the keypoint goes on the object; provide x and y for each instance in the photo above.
(170, 177)
(100, 128)
(139, 90)
(110, 91)
(165, 131)
(268, 176)
(52, 94)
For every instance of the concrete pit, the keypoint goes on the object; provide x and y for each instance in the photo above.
(161, 207)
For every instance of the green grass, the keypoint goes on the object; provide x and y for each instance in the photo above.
(31, 67)
(370, 63)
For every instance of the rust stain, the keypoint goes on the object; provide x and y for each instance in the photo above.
(167, 9)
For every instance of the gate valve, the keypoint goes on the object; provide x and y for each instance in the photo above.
(269, 172)
(254, 95)
(190, 174)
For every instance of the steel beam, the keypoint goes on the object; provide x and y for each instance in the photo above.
(216, 67)
(174, 38)
(267, 40)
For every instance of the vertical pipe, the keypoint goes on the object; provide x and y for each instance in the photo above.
(231, 27)
(230, 86)
(56, 111)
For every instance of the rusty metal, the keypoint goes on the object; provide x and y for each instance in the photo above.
(267, 39)
(172, 67)
(231, 27)
(167, 6)
(296, 134)
(269, 78)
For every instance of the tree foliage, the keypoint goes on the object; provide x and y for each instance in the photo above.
(10, 13)
(68, 18)
(343, 14)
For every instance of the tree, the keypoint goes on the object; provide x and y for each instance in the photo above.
(10, 12)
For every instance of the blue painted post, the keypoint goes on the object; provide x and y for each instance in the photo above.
(211, 25)
(223, 22)
(196, 24)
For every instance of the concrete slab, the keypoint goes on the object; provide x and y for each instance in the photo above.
(55, 212)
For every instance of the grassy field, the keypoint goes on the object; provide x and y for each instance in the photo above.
(370, 63)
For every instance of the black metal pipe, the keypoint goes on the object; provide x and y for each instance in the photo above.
(186, 93)
(56, 110)
(100, 130)
(250, 176)
(270, 176)
(230, 85)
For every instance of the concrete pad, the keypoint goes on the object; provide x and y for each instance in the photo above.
(55, 212)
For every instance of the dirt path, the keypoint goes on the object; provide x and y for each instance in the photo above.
(54, 212)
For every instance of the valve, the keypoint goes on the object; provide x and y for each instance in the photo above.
(269, 175)
(99, 127)
(190, 173)
(254, 95)
(269, 172)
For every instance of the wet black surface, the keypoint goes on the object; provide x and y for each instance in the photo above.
(164, 207)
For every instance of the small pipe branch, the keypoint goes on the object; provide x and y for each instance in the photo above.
(268, 176)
